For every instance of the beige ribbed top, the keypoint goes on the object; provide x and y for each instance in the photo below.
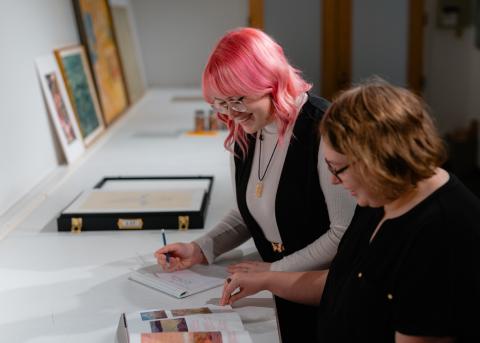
(232, 231)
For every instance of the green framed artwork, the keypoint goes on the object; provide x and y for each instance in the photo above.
(98, 36)
(78, 79)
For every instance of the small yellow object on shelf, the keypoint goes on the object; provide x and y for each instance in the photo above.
(202, 133)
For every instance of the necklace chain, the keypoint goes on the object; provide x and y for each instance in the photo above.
(259, 185)
(260, 176)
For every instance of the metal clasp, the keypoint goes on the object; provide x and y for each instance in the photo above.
(77, 223)
(183, 222)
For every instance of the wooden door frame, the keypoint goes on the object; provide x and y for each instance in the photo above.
(255, 14)
(336, 65)
(336, 36)
(415, 45)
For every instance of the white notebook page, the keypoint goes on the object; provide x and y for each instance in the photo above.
(181, 283)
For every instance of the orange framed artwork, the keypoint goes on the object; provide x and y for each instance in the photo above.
(97, 35)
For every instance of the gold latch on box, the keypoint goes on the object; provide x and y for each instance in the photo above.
(77, 224)
(183, 222)
(130, 224)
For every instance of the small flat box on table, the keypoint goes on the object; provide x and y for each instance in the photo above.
(140, 203)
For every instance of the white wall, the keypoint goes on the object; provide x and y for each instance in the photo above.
(380, 31)
(27, 147)
(452, 74)
(296, 26)
(176, 36)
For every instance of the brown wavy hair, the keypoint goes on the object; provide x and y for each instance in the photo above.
(387, 133)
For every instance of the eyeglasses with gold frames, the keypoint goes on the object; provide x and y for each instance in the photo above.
(225, 106)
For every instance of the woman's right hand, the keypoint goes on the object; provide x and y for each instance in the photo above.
(181, 256)
(241, 285)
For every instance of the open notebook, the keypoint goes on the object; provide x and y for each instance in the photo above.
(181, 284)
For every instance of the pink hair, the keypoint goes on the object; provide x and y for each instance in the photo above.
(247, 62)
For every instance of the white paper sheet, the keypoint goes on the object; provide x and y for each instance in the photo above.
(123, 201)
(183, 283)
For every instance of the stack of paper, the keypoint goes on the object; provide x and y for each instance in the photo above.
(200, 325)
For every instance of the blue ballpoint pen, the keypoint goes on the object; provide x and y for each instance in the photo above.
(167, 255)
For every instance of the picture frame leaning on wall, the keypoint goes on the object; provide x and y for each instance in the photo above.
(59, 107)
(76, 73)
(97, 34)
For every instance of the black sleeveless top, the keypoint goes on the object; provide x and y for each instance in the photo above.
(300, 207)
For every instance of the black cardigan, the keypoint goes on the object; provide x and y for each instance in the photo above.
(300, 207)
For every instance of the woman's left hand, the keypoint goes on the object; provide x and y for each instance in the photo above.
(249, 267)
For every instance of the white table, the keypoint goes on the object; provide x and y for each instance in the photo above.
(64, 287)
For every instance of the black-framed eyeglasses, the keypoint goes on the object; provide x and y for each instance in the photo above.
(336, 172)
(224, 106)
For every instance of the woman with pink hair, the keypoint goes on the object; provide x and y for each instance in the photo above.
(285, 201)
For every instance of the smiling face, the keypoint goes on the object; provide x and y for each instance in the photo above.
(350, 178)
(256, 112)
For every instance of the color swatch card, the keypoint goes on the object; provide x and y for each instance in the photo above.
(202, 324)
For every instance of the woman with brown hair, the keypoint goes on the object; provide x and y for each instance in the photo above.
(408, 267)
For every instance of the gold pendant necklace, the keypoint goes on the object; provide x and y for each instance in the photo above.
(259, 189)
(259, 186)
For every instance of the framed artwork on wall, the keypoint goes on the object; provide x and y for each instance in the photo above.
(76, 73)
(59, 107)
(97, 35)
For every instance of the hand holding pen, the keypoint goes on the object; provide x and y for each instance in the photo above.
(164, 238)
(178, 256)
